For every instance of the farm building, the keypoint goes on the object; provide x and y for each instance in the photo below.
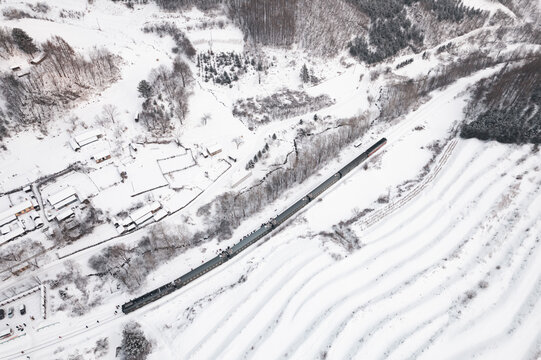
(85, 138)
(62, 198)
(10, 214)
(102, 156)
(64, 214)
(145, 213)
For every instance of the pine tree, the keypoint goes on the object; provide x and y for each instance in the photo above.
(144, 88)
(273, 136)
(305, 76)
(226, 79)
(23, 41)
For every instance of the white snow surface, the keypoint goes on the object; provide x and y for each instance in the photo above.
(448, 269)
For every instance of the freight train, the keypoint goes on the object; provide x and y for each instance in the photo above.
(249, 239)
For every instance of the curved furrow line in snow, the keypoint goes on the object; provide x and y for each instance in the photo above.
(418, 328)
(507, 260)
(516, 316)
(348, 315)
(297, 342)
(456, 185)
(220, 317)
(271, 249)
(486, 250)
(249, 305)
(273, 323)
(464, 275)
(523, 314)
(415, 287)
(509, 249)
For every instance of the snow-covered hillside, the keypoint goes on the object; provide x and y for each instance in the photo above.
(430, 250)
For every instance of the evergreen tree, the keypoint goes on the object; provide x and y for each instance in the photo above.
(23, 41)
(144, 88)
(226, 79)
(305, 76)
(273, 136)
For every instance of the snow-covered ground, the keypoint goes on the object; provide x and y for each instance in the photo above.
(447, 267)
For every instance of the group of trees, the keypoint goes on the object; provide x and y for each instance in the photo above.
(506, 107)
(52, 85)
(260, 154)
(130, 266)
(227, 211)
(280, 105)
(266, 22)
(166, 96)
(391, 30)
(398, 98)
(225, 68)
(72, 289)
(134, 345)
(182, 43)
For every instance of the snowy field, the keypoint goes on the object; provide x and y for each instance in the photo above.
(447, 263)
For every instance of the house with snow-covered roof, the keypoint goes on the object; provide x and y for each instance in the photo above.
(63, 198)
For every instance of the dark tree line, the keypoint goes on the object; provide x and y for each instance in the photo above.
(507, 107)
(391, 30)
(182, 43)
(23, 41)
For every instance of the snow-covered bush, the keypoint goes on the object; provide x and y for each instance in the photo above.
(281, 105)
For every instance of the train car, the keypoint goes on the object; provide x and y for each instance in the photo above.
(200, 270)
(147, 298)
(353, 164)
(250, 239)
(287, 213)
(324, 186)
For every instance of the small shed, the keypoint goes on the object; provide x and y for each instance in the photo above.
(214, 149)
(23, 72)
(39, 58)
(102, 156)
(88, 137)
(15, 67)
